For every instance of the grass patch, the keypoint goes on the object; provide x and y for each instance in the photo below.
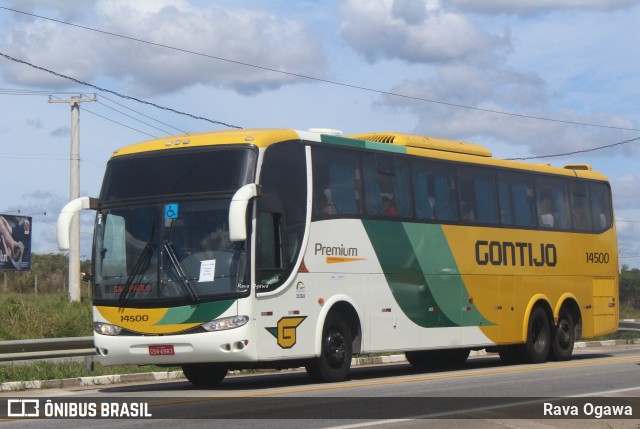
(43, 316)
(628, 312)
(43, 370)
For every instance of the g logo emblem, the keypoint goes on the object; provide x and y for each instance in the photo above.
(285, 332)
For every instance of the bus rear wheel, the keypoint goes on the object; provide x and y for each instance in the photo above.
(563, 338)
(204, 374)
(536, 347)
(334, 361)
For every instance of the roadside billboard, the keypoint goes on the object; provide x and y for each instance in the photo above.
(15, 242)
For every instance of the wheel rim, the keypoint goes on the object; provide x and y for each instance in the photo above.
(335, 348)
(538, 336)
(564, 334)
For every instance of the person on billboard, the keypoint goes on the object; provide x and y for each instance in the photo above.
(8, 244)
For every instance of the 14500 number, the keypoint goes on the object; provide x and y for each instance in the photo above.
(136, 318)
(597, 258)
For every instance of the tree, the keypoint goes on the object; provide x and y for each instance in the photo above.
(630, 287)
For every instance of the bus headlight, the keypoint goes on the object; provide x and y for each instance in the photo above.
(225, 323)
(106, 328)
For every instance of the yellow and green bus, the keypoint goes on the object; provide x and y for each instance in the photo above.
(265, 248)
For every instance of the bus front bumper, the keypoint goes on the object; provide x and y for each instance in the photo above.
(233, 345)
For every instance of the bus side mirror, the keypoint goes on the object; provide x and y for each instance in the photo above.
(66, 215)
(238, 211)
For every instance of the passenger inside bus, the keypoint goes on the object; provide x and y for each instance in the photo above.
(546, 217)
(388, 207)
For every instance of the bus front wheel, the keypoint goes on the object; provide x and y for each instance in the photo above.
(563, 338)
(204, 374)
(334, 361)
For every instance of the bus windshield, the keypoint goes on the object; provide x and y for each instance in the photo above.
(142, 255)
(162, 236)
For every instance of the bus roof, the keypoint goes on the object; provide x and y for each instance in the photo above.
(257, 137)
(421, 146)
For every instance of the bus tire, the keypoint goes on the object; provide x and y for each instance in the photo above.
(204, 374)
(563, 338)
(334, 361)
(536, 347)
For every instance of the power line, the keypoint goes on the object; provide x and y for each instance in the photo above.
(134, 118)
(14, 91)
(31, 157)
(317, 79)
(574, 152)
(126, 97)
(119, 123)
(142, 114)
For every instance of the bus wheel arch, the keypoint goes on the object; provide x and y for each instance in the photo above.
(339, 339)
(565, 332)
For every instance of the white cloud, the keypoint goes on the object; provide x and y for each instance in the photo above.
(417, 31)
(503, 89)
(68, 9)
(625, 191)
(249, 37)
(524, 7)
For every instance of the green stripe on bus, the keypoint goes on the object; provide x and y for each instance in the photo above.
(442, 275)
(422, 274)
(403, 273)
(362, 144)
(204, 312)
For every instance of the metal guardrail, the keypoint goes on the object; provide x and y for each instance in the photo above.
(629, 325)
(83, 346)
(46, 348)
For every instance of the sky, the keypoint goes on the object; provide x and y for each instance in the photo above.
(526, 78)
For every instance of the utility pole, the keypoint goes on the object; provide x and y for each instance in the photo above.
(74, 238)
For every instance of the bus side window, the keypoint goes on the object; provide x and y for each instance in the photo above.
(516, 200)
(601, 212)
(504, 200)
(444, 184)
(423, 198)
(337, 183)
(478, 201)
(580, 212)
(281, 212)
(553, 203)
(386, 186)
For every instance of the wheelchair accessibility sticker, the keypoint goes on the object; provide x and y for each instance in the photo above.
(171, 211)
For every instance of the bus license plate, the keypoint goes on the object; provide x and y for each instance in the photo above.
(164, 350)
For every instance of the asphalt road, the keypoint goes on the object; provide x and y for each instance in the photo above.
(482, 394)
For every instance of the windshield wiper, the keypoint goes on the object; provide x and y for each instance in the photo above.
(182, 275)
(141, 266)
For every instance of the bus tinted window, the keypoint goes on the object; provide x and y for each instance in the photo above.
(337, 182)
(386, 186)
(478, 202)
(281, 213)
(434, 190)
(601, 212)
(516, 200)
(553, 203)
(171, 173)
(580, 212)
